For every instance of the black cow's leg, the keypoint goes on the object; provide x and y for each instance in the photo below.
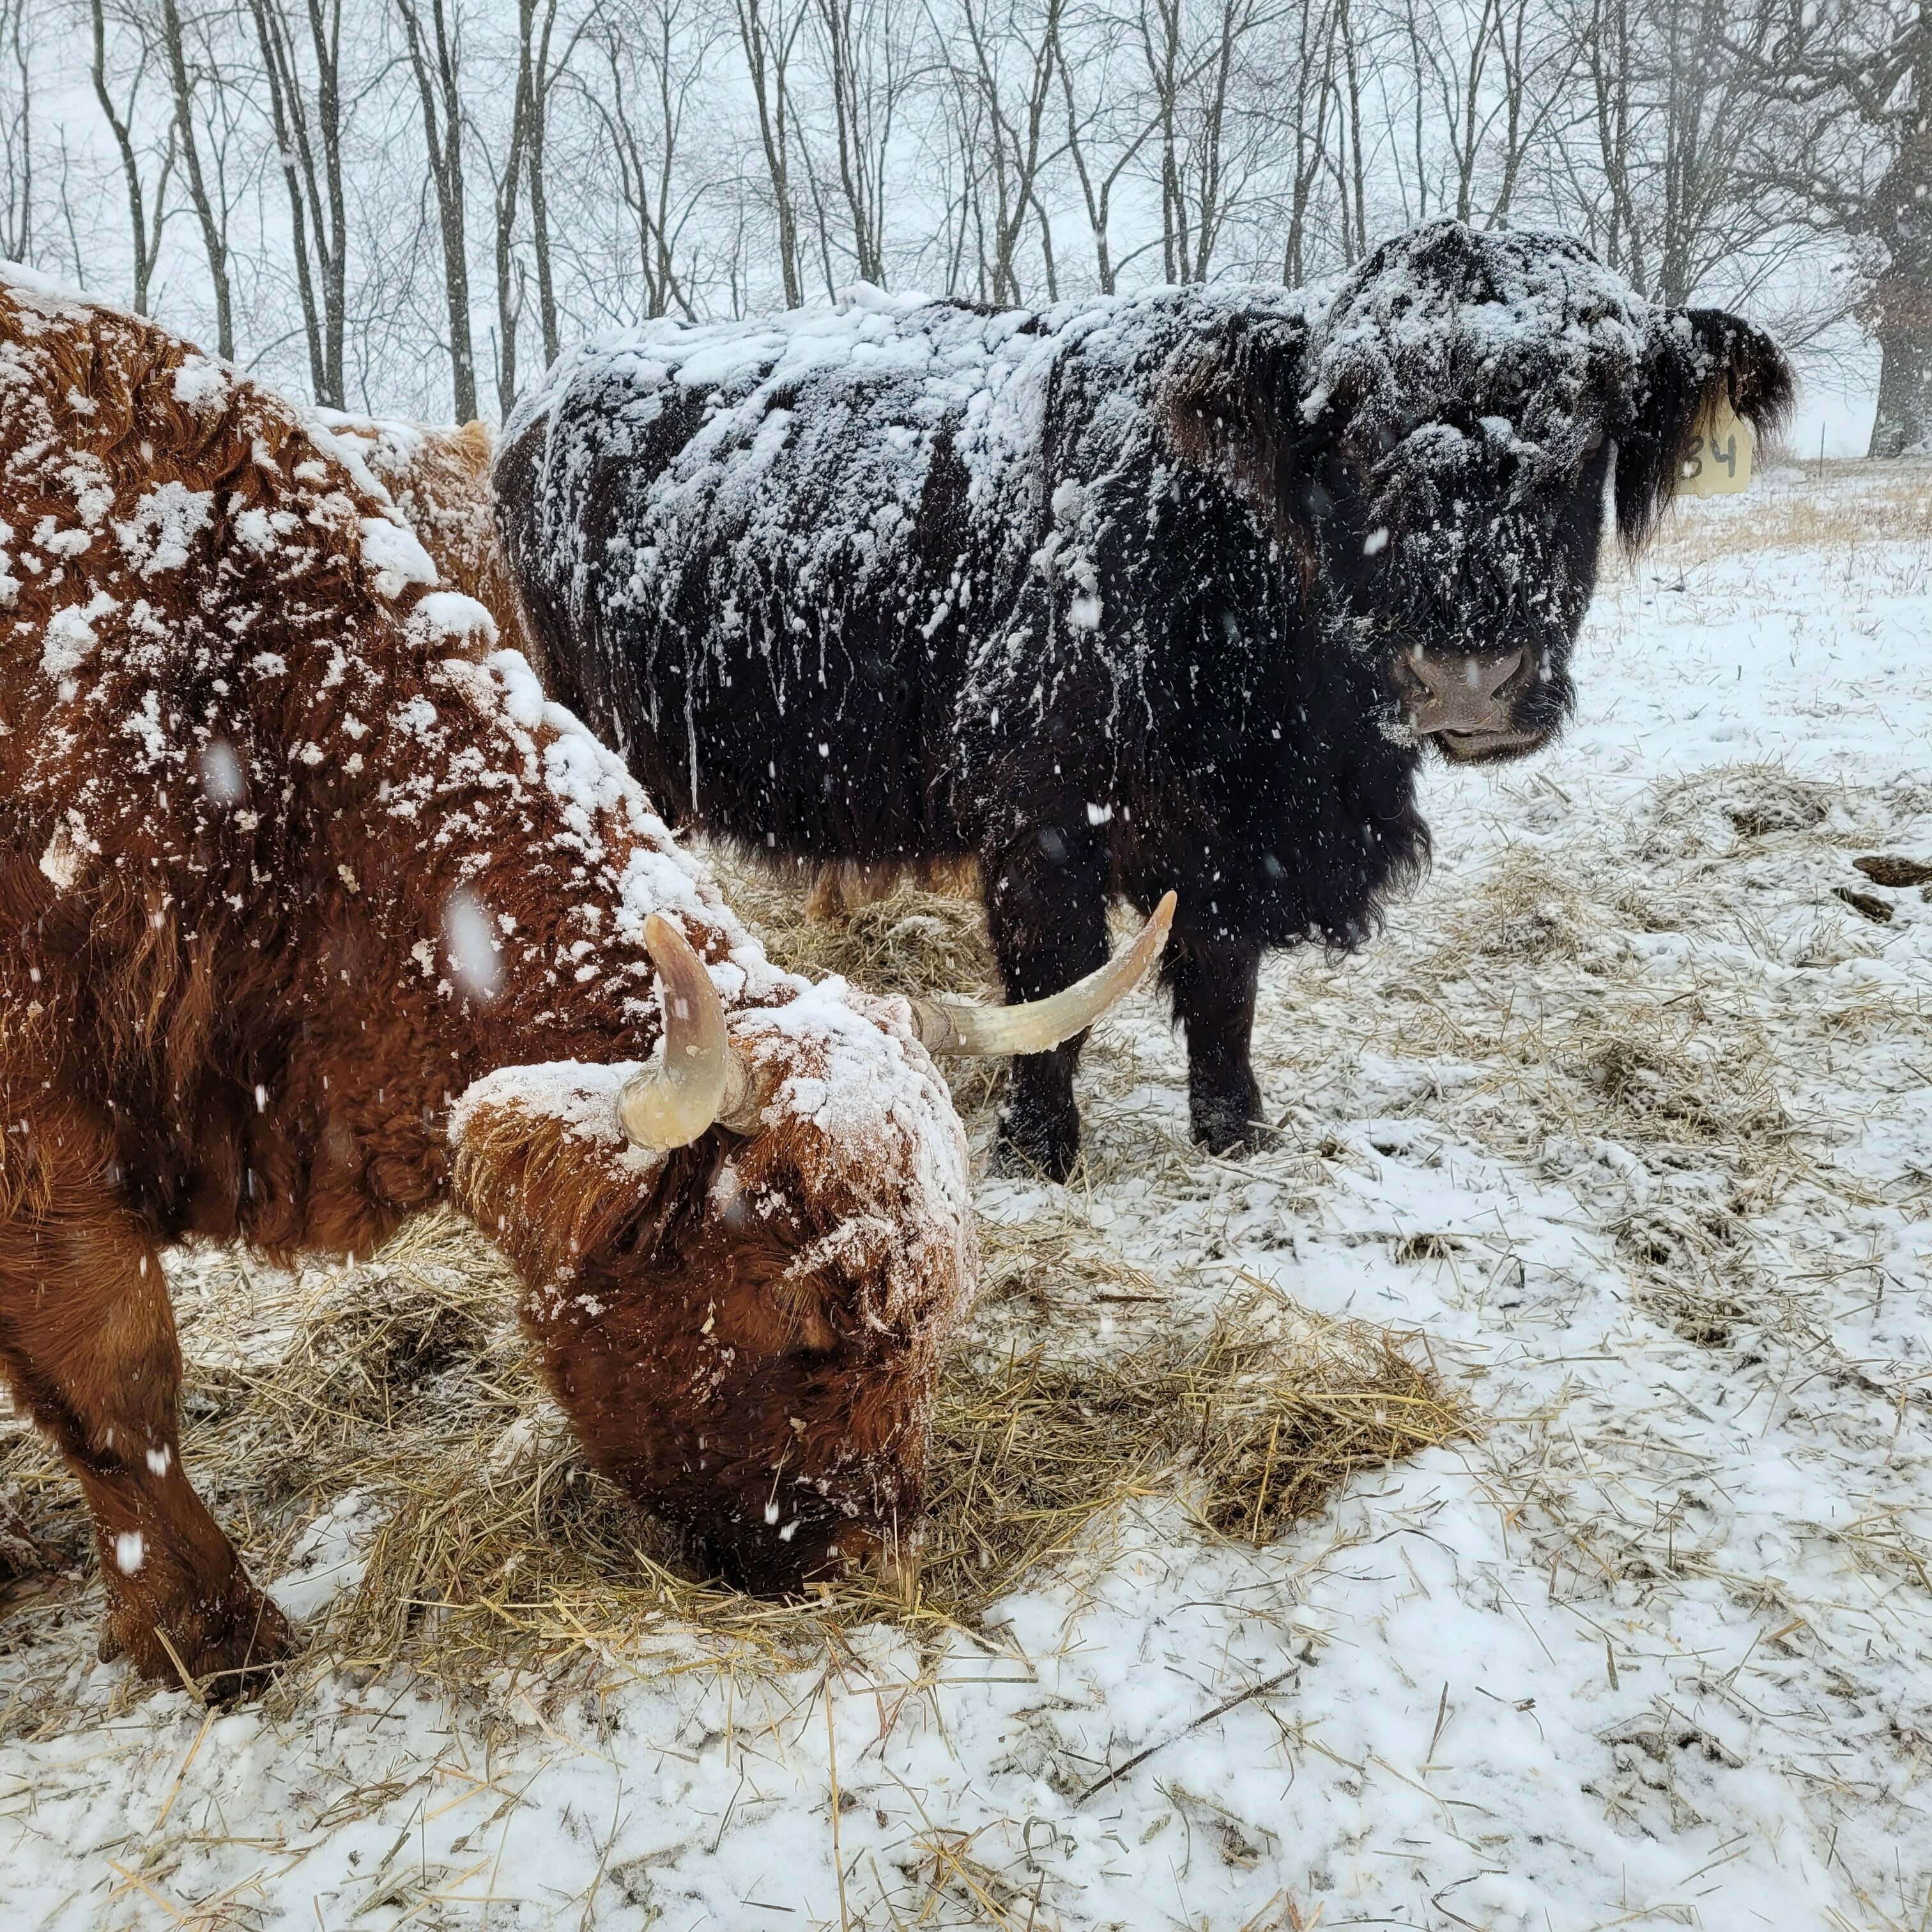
(1212, 982)
(1046, 907)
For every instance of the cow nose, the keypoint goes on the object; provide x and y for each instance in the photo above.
(1461, 693)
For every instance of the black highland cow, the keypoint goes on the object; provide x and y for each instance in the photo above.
(1167, 589)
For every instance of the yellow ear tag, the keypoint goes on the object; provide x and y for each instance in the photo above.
(1718, 462)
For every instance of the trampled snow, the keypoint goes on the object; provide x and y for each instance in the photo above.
(1627, 1114)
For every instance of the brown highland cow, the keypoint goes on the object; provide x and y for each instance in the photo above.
(317, 914)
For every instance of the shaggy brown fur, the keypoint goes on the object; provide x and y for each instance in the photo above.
(439, 479)
(320, 915)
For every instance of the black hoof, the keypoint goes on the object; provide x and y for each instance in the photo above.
(1230, 1123)
(1030, 1143)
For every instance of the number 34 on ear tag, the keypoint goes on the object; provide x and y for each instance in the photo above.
(1718, 462)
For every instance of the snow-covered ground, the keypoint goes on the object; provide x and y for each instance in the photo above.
(1631, 1117)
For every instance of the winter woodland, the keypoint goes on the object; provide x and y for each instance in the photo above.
(410, 206)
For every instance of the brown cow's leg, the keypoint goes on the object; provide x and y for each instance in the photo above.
(87, 1341)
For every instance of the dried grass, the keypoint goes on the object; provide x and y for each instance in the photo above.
(400, 1390)
(911, 941)
(1253, 1423)
(1802, 505)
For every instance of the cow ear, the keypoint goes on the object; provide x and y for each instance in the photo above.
(1696, 358)
(1234, 408)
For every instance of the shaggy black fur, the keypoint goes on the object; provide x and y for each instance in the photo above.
(1118, 597)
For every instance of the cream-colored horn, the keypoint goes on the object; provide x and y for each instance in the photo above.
(1035, 1025)
(706, 1077)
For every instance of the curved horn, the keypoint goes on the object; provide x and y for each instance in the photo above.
(704, 1078)
(1035, 1025)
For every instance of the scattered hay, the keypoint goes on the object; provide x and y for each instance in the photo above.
(910, 941)
(397, 1397)
(1524, 913)
(1866, 905)
(1669, 1068)
(1281, 1429)
(1894, 869)
(1255, 1424)
(1766, 800)
(22, 1553)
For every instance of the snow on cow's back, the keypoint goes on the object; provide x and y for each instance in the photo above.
(227, 641)
(708, 432)
(851, 403)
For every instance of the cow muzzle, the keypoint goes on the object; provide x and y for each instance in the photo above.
(1467, 704)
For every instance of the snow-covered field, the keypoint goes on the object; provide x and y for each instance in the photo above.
(1631, 1117)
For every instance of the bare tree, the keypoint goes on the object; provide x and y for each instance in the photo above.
(1711, 208)
(1464, 102)
(209, 202)
(435, 60)
(1853, 81)
(1494, 75)
(1357, 177)
(1609, 50)
(1313, 90)
(1192, 79)
(544, 74)
(306, 116)
(1014, 120)
(867, 60)
(16, 135)
(662, 198)
(1531, 50)
(1090, 87)
(953, 152)
(146, 182)
(509, 182)
(769, 30)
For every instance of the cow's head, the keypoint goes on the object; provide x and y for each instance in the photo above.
(1433, 448)
(742, 1262)
(745, 1332)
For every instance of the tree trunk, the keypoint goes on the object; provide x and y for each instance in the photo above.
(1902, 324)
(16, 219)
(1163, 71)
(326, 33)
(539, 202)
(268, 34)
(312, 175)
(509, 306)
(848, 105)
(767, 54)
(1345, 25)
(146, 232)
(1899, 309)
(213, 221)
(440, 91)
